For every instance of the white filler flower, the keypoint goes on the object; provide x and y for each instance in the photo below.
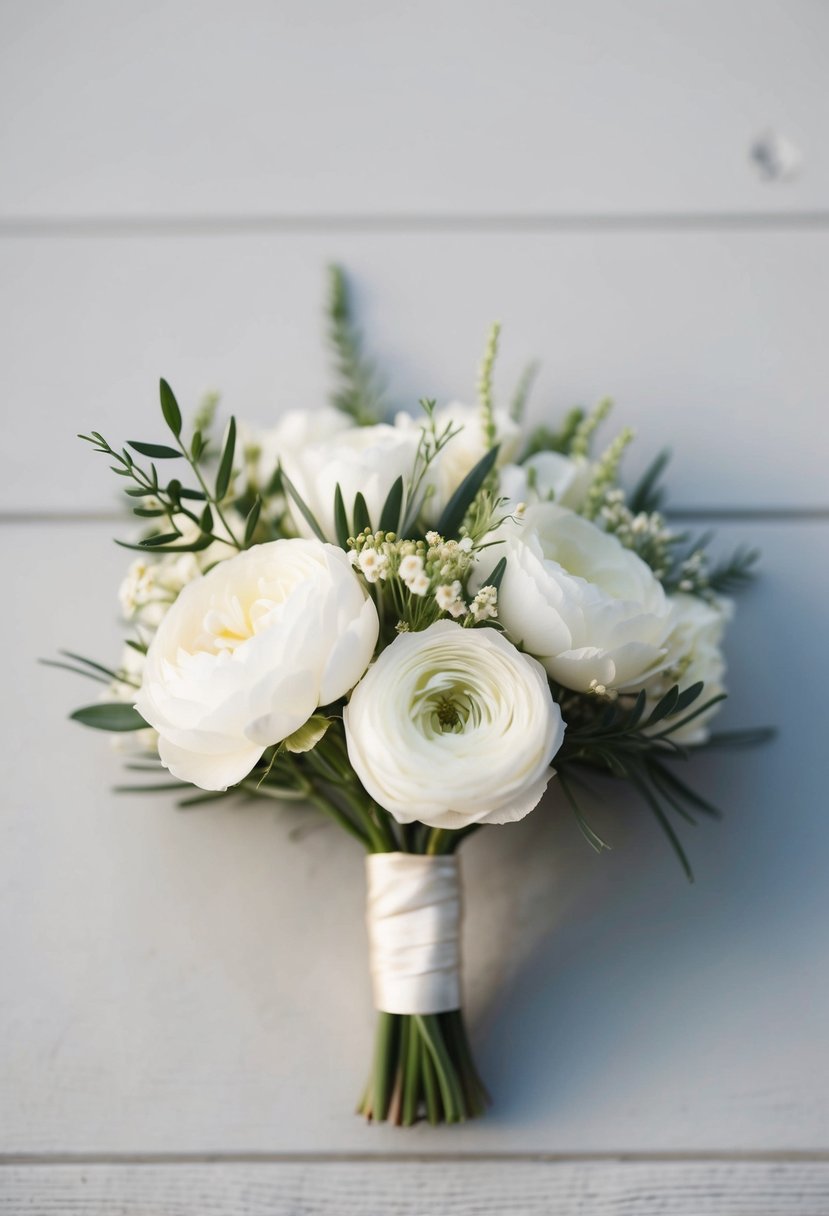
(453, 726)
(248, 652)
(572, 595)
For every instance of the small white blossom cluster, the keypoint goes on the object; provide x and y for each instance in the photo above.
(646, 533)
(152, 584)
(433, 570)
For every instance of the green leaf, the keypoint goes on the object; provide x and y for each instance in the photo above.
(302, 506)
(206, 520)
(390, 515)
(195, 546)
(113, 716)
(251, 521)
(197, 495)
(196, 446)
(149, 512)
(226, 463)
(646, 494)
(361, 516)
(169, 407)
(665, 707)
(165, 538)
(455, 510)
(497, 575)
(340, 518)
(156, 451)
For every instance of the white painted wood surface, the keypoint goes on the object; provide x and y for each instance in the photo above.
(195, 107)
(710, 342)
(182, 992)
(480, 1188)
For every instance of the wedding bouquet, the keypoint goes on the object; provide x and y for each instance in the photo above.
(412, 626)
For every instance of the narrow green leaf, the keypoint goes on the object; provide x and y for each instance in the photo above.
(226, 463)
(646, 495)
(112, 716)
(453, 514)
(390, 515)
(195, 546)
(149, 512)
(169, 407)
(251, 521)
(165, 538)
(340, 518)
(497, 575)
(361, 516)
(156, 451)
(76, 671)
(206, 520)
(197, 495)
(665, 707)
(302, 506)
(196, 446)
(662, 819)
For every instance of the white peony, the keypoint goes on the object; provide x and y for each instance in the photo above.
(548, 477)
(368, 459)
(589, 609)
(694, 654)
(465, 449)
(453, 726)
(248, 652)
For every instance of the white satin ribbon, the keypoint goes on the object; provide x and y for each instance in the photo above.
(413, 913)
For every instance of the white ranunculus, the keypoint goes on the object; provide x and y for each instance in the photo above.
(589, 609)
(249, 651)
(364, 459)
(548, 477)
(694, 654)
(294, 431)
(453, 726)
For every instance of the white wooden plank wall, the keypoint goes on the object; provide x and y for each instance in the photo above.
(640, 192)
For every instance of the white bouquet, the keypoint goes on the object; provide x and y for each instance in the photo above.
(411, 625)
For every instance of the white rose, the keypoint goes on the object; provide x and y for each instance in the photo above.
(294, 431)
(248, 652)
(546, 477)
(464, 450)
(694, 654)
(453, 726)
(573, 596)
(368, 459)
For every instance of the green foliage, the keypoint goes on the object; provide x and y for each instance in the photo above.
(624, 742)
(169, 502)
(521, 395)
(449, 524)
(648, 495)
(360, 392)
(111, 716)
(735, 572)
(545, 439)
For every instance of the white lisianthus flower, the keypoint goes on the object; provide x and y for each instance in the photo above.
(548, 477)
(589, 609)
(248, 652)
(464, 450)
(694, 654)
(294, 431)
(453, 726)
(368, 459)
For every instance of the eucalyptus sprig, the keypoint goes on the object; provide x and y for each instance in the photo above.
(172, 501)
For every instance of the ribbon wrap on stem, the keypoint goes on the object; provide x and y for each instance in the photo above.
(413, 913)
